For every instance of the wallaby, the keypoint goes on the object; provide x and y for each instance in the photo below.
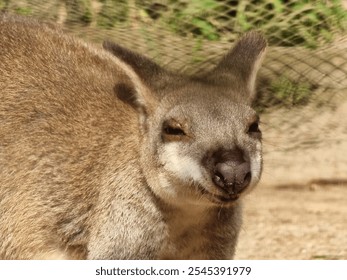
(106, 155)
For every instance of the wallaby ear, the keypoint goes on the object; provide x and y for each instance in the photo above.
(140, 92)
(148, 71)
(243, 62)
(138, 97)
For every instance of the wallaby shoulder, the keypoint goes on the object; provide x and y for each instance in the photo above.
(67, 142)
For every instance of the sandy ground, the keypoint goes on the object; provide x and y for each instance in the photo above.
(299, 211)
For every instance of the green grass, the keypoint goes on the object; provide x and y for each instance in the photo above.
(284, 22)
(283, 92)
(307, 23)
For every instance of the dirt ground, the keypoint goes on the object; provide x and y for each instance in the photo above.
(299, 211)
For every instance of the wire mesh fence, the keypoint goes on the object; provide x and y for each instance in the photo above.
(307, 39)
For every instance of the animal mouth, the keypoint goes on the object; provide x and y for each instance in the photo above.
(219, 198)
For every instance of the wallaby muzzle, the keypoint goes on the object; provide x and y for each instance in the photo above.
(232, 173)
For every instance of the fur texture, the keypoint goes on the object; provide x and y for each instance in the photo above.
(105, 155)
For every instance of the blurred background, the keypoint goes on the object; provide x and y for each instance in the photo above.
(308, 38)
(299, 211)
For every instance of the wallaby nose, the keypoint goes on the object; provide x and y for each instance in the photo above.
(232, 173)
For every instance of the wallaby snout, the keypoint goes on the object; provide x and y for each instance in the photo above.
(232, 173)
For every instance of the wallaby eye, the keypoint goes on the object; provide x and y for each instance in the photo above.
(254, 127)
(173, 130)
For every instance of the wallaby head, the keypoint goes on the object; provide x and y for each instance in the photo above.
(201, 142)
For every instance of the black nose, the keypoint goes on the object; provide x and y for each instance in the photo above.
(232, 173)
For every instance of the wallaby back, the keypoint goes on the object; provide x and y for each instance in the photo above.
(105, 155)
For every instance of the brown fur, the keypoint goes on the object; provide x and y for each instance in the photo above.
(82, 152)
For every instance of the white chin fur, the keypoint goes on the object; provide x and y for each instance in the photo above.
(183, 167)
(186, 169)
(256, 163)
